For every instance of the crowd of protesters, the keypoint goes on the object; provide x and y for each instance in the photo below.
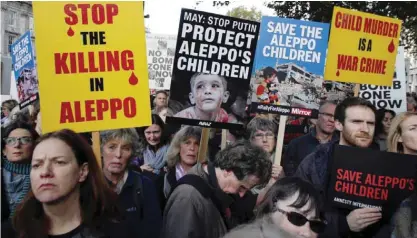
(151, 183)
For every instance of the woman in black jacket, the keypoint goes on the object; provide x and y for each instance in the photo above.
(69, 196)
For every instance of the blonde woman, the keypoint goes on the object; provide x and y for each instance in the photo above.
(181, 155)
(402, 138)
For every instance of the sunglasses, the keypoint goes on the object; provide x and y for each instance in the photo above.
(299, 220)
(13, 140)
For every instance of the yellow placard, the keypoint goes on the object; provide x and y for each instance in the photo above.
(362, 47)
(91, 60)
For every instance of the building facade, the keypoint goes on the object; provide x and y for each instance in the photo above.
(412, 80)
(16, 19)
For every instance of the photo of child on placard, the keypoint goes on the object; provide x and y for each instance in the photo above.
(208, 93)
(267, 88)
(212, 70)
(24, 70)
(289, 65)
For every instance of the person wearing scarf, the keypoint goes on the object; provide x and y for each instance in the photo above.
(154, 143)
(17, 148)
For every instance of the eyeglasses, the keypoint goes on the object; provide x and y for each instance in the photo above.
(13, 140)
(299, 220)
(327, 114)
(260, 136)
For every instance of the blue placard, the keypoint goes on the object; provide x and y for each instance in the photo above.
(289, 64)
(24, 69)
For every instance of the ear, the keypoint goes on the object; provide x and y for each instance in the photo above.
(226, 96)
(83, 172)
(338, 126)
(191, 96)
(400, 139)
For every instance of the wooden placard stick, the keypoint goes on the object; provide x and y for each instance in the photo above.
(202, 151)
(96, 146)
(356, 90)
(280, 139)
(224, 139)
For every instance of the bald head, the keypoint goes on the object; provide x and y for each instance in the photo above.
(325, 121)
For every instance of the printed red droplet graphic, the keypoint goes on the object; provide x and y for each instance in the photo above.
(70, 32)
(391, 46)
(133, 80)
(337, 73)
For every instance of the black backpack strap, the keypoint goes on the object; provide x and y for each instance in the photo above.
(197, 182)
(203, 188)
(138, 194)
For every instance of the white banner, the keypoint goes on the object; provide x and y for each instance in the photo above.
(161, 51)
(394, 97)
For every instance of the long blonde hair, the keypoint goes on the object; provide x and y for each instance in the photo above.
(172, 156)
(395, 132)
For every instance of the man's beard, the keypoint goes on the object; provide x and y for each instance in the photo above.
(353, 139)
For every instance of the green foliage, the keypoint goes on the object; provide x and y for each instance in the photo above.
(244, 13)
(322, 12)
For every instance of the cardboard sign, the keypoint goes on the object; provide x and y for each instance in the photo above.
(288, 73)
(362, 47)
(161, 51)
(394, 97)
(212, 68)
(24, 70)
(92, 65)
(369, 178)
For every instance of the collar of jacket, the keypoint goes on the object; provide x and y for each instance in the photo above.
(322, 159)
(313, 133)
(225, 199)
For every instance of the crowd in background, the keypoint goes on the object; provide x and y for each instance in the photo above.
(151, 183)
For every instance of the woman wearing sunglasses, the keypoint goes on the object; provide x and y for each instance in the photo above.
(292, 205)
(17, 148)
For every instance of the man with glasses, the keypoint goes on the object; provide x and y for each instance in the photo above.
(302, 146)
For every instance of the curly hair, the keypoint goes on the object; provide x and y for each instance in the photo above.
(245, 159)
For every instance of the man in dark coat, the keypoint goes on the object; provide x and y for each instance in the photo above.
(204, 211)
(302, 146)
(355, 119)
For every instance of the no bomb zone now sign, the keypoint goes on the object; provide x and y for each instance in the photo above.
(92, 65)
